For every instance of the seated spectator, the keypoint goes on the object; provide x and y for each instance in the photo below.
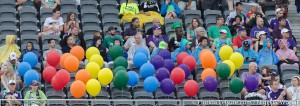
(170, 10)
(253, 10)
(174, 26)
(240, 38)
(155, 22)
(291, 44)
(261, 36)
(69, 44)
(214, 31)
(223, 40)
(117, 42)
(274, 22)
(187, 4)
(96, 34)
(237, 12)
(286, 55)
(110, 38)
(252, 22)
(162, 46)
(282, 25)
(175, 41)
(78, 38)
(26, 3)
(200, 33)
(249, 54)
(203, 44)
(210, 4)
(97, 41)
(8, 75)
(153, 40)
(53, 25)
(259, 27)
(12, 95)
(70, 23)
(35, 94)
(129, 8)
(191, 33)
(8, 48)
(294, 90)
(275, 92)
(184, 47)
(12, 62)
(235, 25)
(266, 55)
(51, 43)
(147, 6)
(265, 76)
(130, 32)
(30, 48)
(139, 43)
(50, 3)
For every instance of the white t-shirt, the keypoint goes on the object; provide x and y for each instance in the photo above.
(50, 23)
(295, 92)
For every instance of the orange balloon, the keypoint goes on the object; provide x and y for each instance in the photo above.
(208, 60)
(83, 75)
(208, 72)
(203, 51)
(78, 52)
(71, 63)
(62, 59)
(77, 89)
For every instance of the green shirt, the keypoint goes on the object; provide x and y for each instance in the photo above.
(50, 3)
(41, 94)
(28, 3)
(214, 32)
(109, 41)
(170, 8)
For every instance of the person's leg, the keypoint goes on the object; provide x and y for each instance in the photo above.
(243, 93)
(262, 91)
(298, 8)
(193, 5)
(230, 4)
(168, 16)
(182, 5)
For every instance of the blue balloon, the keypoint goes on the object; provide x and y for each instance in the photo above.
(133, 78)
(23, 68)
(143, 50)
(30, 58)
(147, 70)
(139, 59)
(151, 84)
(31, 75)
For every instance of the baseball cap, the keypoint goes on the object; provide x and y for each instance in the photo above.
(284, 30)
(241, 29)
(13, 56)
(35, 83)
(246, 43)
(156, 27)
(11, 82)
(162, 45)
(277, 10)
(260, 33)
(223, 31)
(111, 28)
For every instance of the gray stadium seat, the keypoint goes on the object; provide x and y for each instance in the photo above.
(109, 14)
(2, 39)
(231, 96)
(286, 78)
(100, 103)
(108, 4)
(209, 22)
(209, 95)
(182, 95)
(287, 85)
(169, 22)
(29, 38)
(244, 68)
(28, 30)
(169, 31)
(64, 13)
(88, 4)
(126, 25)
(145, 103)
(103, 94)
(270, 14)
(269, 6)
(118, 31)
(68, 4)
(110, 22)
(142, 95)
(89, 13)
(7, 4)
(167, 103)
(28, 21)
(160, 95)
(8, 30)
(211, 14)
(226, 13)
(24, 90)
(55, 95)
(8, 12)
(45, 39)
(5, 21)
(123, 103)
(77, 103)
(117, 94)
(88, 39)
(273, 68)
(191, 103)
(36, 47)
(289, 69)
(223, 84)
(88, 30)
(90, 22)
(45, 13)
(28, 12)
(190, 14)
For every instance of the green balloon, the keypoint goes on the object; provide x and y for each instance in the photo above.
(121, 80)
(223, 70)
(120, 61)
(117, 69)
(236, 85)
(115, 51)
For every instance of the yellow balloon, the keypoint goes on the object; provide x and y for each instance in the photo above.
(225, 52)
(97, 59)
(91, 51)
(237, 59)
(93, 68)
(231, 66)
(105, 76)
(93, 87)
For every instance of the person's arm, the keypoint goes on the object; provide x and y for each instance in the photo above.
(188, 36)
(295, 49)
(213, 47)
(163, 10)
(122, 9)
(43, 96)
(3, 82)
(189, 5)
(45, 4)
(66, 27)
(20, 2)
(137, 11)
(256, 46)
(177, 9)
(130, 54)
(210, 32)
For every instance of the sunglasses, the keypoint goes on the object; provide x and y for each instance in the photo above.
(12, 84)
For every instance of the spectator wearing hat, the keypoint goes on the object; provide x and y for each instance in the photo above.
(259, 27)
(174, 26)
(237, 12)
(249, 54)
(69, 44)
(291, 44)
(139, 43)
(97, 41)
(257, 15)
(214, 31)
(266, 54)
(13, 62)
(170, 10)
(8, 48)
(287, 56)
(185, 46)
(12, 95)
(274, 22)
(238, 40)
(131, 41)
(35, 94)
(153, 40)
(261, 36)
(203, 44)
(110, 38)
(162, 46)
(174, 41)
(223, 40)
(277, 32)
(294, 90)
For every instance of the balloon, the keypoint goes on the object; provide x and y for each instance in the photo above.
(237, 59)
(165, 54)
(142, 50)
(177, 75)
(23, 68)
(157, 61)
(48, 73)
(169, 64)
(63, 76)
(31, 75)
(167, 86)
(162, 73)
(186, 70)
(203, 51)
(191, 88)
(231, 66)
(189, 61)
(208, 72)
(63, 57)
(53, 58)
(121, 80)
(93, 87)
(208, 60)
(115, 51)
(180, 57)
(236, 85)
(147, 70)
(223, 70)
(91, 51)
(225, 52)
(56, 84)
(251, 83)
(133, 78)
(83, 75)
(97, 58)
(118, 69)
(93, 68)
(151, 84)
(78, 52)
(30, 58)
(77, 89)
(210, 83)
(139, 59)
(105, 76)
(71, 63)
(120, 61)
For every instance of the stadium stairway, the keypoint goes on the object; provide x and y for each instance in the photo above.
(294, 19)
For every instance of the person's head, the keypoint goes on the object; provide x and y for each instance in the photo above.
(242, 32)
(135, 23)
(7, 69)
(11, 85)
(34, 85)
(258, 15)
(97, 40)
(112, 30)
(51, 43)
(274, 84)
(282, 21)
(156, 30)
(71, 16)
(97, 34)
(70, 40)
(155, 21)
(252, 67)
(129, 1)
(162, 45)
(223, 34)
(203, 41)
(295, 81)
(261, 35)
(195, 23)
(117, 42)
(279, 12)
(285, 33)
(56, 13)
(246, 45)
(282, 44)
(220, 20)
(13, 58)
(185, 44)
(75, 31)
(239, 6)
(268, 43)
(178, 32)
(260, 22)
(237, 19)
(200, 31)
(275, 77)
(253, 8)
(29, 46)
(140, 31)
(138, 38)
(265, 71)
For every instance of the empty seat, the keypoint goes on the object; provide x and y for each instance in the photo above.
(270, 14)
(91, 22)
(88, 30)
(109, 13)
(142, 95)
(28, 30)
(190, 14)
(211, 14)
(103, 94)
(182, 95)
(89, 13)
(289, 69)
(68, 4)
(169, 22)
(209, 95)
(28, 12)
(88, 4)
(108, 4)
(45, 39)
(161, 95)
(103, 102)
(269, 6)
(110, 22)
(28, 22)
(244, 68)
(77, 102)
(145, 103)
(11, 4)
(4, 21)
(117, 94)
(231, 96)
(167, 103)
(123, 103)
(2, 39)
(8, 30)
(223, 84)
(191, 103)
(8, 12)
(88, 39)
(29, 38)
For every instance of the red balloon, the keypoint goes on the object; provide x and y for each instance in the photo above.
(56, 84)
(180, 57)
(190, 61)
(53, 58)
(63, 76)
(177, 75)
(191, 88)
(49, 73)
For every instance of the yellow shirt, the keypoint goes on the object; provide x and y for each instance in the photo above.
(131, 8)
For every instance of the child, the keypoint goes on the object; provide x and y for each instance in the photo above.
(184, 47)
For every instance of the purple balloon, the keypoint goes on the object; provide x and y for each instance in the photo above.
(210, 83)
(167, 86)
(165, 54)
(157, 62)
(251, 83)
(162, 73)
(169, 64)
(186, 70)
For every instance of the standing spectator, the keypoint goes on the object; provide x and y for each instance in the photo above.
(138, 44)
(70, 23)
(266, 55)
(277, 93)
(174, 42)
(253, 10)
(259, 27)
(297, 3)
(191, 33)
(291, 44)
(257, 15)
(170, 10)
(214, 31)
(69, 44)
(130, 32)
(129, 8)
(249, 54)
(187, 4)
(235, 25)
(261, 36)
(153, 40)
(223, 40)
(282, 25)
(30, 48)
(8, 48)
(238, 40)
(155, 22)
(265, 76)
(237, 12)
(110, 38)
(203, 44)
(8, 75)
(51, 44)
(50, 3)
(295, 88)
(35, 94)
(97, 41)
(12, 95)
(286, 55)
(184, 47)
(26, 3)
(274, 23)
(53, 25)
(147, 6)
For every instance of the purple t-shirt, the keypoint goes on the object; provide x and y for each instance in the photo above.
(271, 95)
(255, 30)
(290, 41)
(130, 32)
(257, 76)
(157, 39)
(16, 94)
(274, 23)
